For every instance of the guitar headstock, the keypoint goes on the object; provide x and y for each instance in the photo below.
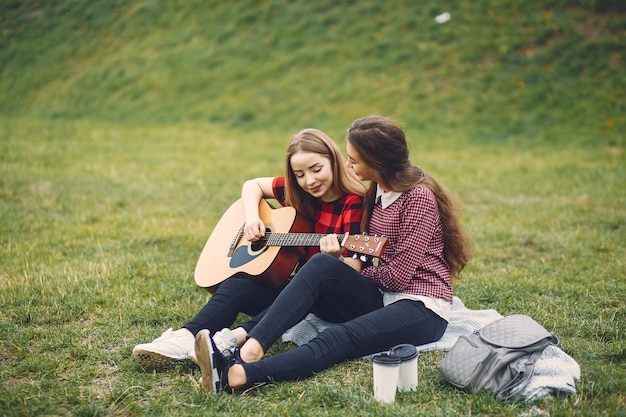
(365, 244)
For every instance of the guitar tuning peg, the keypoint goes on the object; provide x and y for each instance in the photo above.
(363, 258)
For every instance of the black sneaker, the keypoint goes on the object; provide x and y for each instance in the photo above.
(213, 365)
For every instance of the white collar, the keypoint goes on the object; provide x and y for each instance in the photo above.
(386, 198)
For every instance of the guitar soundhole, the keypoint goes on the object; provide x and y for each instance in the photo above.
(260, 244)
(257, 246)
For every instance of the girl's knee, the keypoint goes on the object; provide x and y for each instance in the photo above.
(319, 264)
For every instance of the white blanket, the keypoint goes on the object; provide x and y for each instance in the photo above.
(462, 321)
(555, 371)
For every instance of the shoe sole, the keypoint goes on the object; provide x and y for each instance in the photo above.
(204, 359)
(150, 359)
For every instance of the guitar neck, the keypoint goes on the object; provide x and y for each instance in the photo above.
(292, 239)
(257, 260)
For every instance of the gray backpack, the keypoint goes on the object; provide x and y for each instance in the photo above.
(487, 358)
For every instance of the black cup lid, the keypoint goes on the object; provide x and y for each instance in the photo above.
(405, 352)
(386, 359)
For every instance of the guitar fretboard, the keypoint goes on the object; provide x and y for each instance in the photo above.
(291, 239)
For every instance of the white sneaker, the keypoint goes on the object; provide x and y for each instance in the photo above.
(169, 347)
(225, 341)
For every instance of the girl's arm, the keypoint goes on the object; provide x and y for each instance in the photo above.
(329, 244)
(351, 224)
(252, 192)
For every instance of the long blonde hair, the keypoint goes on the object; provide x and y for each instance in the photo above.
(381, 145)
(316, 141)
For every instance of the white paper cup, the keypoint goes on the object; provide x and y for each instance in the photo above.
(386, 369)
(407, 377)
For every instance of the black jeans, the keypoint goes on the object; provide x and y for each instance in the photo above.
(234, 296)
(326, 286)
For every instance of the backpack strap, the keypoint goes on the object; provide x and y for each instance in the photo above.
(520, 382)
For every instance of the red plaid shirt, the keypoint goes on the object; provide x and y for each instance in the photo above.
(413, 261)
(339, 216)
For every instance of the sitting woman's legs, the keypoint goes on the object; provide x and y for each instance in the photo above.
(234, 296)
(404, 321)
(330, 288)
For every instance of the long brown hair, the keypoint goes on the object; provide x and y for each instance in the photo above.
(316, 141)
(382, 146)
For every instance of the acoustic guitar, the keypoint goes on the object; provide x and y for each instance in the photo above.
(273, 258)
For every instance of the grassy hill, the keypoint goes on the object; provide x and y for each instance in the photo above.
(128, 126)
(496, 70)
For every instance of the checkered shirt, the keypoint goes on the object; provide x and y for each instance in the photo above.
(413, 260)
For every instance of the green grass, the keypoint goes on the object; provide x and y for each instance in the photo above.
(127, 128)
(496, 70)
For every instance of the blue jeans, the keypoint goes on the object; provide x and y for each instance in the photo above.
(326, 286)
(234, 296)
